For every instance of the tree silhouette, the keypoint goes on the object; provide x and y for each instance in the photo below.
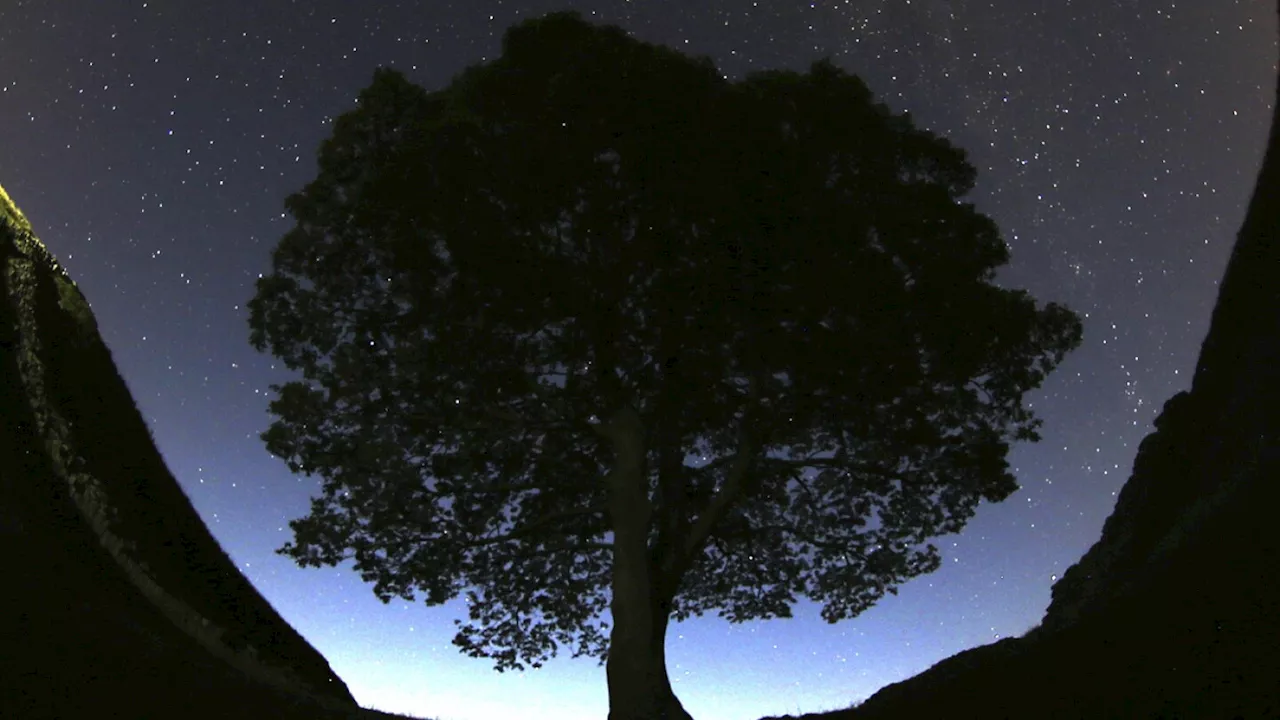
(522, 303)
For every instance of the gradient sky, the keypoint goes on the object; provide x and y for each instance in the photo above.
(152, 144)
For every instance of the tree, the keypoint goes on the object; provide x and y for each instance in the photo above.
(521, 303)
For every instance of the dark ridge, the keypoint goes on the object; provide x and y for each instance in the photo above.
(120, 602)
(1173, 612)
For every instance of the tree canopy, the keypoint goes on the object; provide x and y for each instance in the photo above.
(595, 321)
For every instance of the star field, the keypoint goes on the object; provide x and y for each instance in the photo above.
(152, 144)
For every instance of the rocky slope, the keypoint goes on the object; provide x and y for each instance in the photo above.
(1173, 612)
(117, 602)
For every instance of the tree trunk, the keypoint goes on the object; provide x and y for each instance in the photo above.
(639, 688)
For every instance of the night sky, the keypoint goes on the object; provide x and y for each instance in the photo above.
(152, 145)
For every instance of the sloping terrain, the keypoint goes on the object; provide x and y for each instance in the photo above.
(1173, 613)
(118, 602)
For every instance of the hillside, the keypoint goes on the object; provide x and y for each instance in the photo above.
(1173, 612)
(120, 603)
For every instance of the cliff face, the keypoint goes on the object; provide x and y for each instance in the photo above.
(118, 601)
(1209, 444)
(1173, 612)
(1166, 482)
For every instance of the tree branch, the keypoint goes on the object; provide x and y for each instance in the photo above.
(509, 415)
(559, 548)
(505, 414)
(539, 525)
(512, 487)
(832, 464)
(714, 464)
(732, 488)
(803, 536)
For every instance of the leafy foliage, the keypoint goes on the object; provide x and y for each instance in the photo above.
(777, 274)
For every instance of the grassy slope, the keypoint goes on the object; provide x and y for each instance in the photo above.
(115, 575)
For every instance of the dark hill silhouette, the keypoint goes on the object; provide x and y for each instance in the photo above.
(1173, 612)
(117, 601)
